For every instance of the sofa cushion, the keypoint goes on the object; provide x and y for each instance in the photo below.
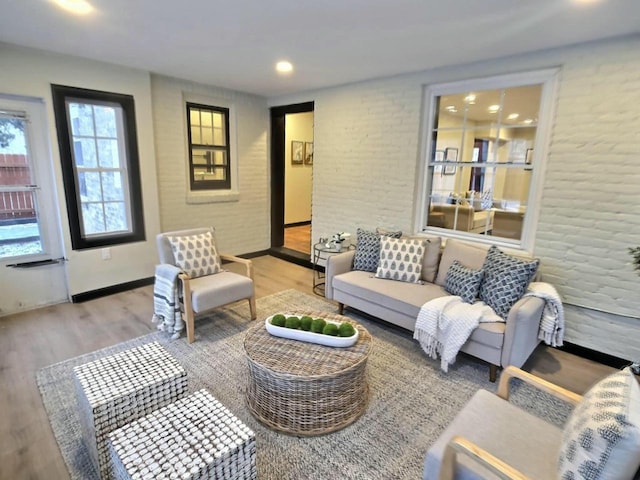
(601, 438)
(505, 280)
(463, 281)
(196, 255)
(401, 259)
(471, 256)
(431, 256)
(368, 249)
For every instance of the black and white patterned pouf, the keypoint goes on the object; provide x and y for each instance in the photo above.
(116, 390)
(193, 438)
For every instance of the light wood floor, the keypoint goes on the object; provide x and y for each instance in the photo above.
(298, 238)
(32, 340)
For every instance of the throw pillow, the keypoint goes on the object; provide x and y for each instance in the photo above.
(196, 255)
(601, 439)
(463, 281)
(401, 259)
(431, 255)
(505, 280)
(368, 249)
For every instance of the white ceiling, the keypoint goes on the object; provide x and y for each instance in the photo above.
(235, 43)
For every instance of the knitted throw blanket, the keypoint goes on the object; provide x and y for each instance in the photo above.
(552, 323)
(166, 300)
(444, 325)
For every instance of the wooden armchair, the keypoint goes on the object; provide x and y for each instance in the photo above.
(209, 291)
(528, 445)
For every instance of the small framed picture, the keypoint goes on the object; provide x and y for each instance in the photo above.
(451, 154)
(449, 170)
(308, 153)
(297, 152)
(529, 156)
(439, 156)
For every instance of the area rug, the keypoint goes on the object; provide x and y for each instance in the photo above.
(411, 399)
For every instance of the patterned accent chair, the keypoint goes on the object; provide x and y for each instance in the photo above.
(209, 291)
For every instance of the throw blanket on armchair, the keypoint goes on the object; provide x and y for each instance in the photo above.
(166, 300)
(444, 325)
(552, 323)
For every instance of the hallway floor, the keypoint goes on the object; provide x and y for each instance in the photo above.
(298, 238)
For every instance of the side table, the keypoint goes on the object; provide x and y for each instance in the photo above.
(322, 252)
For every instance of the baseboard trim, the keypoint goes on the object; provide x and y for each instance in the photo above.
(292, 256)
(589, 354)
(297, 224)
(103, 292)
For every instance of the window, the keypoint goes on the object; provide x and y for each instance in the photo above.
(209, 152)
(99, 155)
(484, 150)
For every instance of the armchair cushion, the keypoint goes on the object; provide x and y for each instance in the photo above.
(602, 436)
(401, 259)
(196, 255)
(505, 280)
(463, 281)
(368, 249)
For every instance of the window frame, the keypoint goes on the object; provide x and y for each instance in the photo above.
(548, 78)
(209, 185)
(61, 95)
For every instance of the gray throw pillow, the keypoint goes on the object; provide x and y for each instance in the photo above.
(196, 255)
(464, 282)
(367, 253)
(505, 280)
(401, 259)
(601, 438)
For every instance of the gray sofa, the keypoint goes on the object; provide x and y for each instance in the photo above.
(499, 344)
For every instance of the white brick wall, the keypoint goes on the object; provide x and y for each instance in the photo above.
(243, 225)
(366, 152)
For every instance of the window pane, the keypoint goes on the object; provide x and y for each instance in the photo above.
(220, 157)
(205, 118)
(112, 186)
(108, 153)
(195, 135)
(207, 136)
(218, 119)
(220, 173)
(84, 151)
(194, 116)
(89, 184)
(218, 137)
(116, 216)
(19, 226)
(93, 218)
(106, 125)
(81, 119)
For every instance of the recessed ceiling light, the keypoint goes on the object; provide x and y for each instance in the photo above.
(284, 67)
(513, 116)
(528, 121)
(471, 98)
(451, 109)
(79, 7)
(494, 108)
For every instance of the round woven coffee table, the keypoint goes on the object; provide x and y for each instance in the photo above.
(302, 388)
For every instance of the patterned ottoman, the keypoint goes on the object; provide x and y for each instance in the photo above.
(116, 390)
(196, 437)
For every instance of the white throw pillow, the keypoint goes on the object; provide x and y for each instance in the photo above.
(196, 255)
(601, 439)
(401, 259)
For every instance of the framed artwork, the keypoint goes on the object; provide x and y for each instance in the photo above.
(449, 170)
(439, 156)
(308, 153)
(297, 152)
(529, 156)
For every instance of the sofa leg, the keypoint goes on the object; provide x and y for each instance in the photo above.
(493, 371)
(340, 308)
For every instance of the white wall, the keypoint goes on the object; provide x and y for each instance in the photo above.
(30, 73)
(297, 178)
(367, 138)
(242, 220)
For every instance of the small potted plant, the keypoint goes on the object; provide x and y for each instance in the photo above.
(635, 253)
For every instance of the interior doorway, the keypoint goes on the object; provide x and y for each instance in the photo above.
(291, 181)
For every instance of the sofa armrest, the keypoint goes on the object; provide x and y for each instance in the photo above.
(521, 333)
(337, 264)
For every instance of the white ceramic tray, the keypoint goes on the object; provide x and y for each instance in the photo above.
(310, 337)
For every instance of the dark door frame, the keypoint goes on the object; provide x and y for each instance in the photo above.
(278, 168)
